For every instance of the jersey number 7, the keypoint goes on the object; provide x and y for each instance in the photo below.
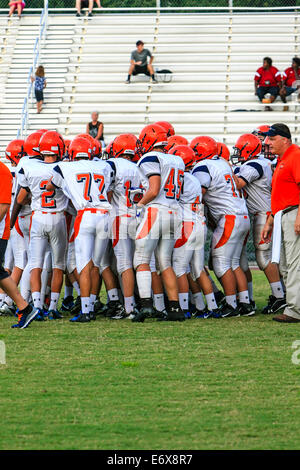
(86, 179)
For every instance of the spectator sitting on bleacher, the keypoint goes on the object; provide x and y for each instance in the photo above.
(139, 62)
(86, 4)
(267, 79)
(95, 127)
(18, 5)
(290, 77)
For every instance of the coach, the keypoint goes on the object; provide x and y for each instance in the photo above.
(285, 199)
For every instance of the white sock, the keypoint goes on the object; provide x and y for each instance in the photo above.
(144, 282)
(53, 300)
(76, 287)
(244, 297)
(231, 300)
(85, 305)
(199, 302)
(8, 301)
(129, 304)
(184, 300)
(68, 291)
(250, 290)
(93, 298)
(211, 301)
(277, 290)
(159, 302)
(113, 294)
(36, 298)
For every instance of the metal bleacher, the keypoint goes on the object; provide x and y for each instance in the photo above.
(213, 58)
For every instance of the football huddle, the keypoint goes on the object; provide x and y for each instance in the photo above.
(134, 217)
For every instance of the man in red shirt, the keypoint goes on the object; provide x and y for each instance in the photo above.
(26, 313)
(285, 199)
(267, 79)
(289, 78)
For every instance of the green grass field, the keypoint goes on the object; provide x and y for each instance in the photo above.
(203, 384)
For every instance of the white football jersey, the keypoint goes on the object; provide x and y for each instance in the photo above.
(35, 177)
(171, 170)
(26, 209)
(222, 197)
(257, 173)
(84, 182)
(127, 175)
(190, 198)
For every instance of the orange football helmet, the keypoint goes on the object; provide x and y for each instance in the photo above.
(97, 151)
(186, 153)
(246, 147)
(260, 132)
(15, 151)
(52, 143)
(223, 151)
(167, 126)
(151, 136)
(32, 143)
(204, 147)
(80, 148)
(175, 140)
(124, 144)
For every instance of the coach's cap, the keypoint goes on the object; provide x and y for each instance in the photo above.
(278, 129)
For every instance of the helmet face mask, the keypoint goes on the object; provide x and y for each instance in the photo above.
(236, 158)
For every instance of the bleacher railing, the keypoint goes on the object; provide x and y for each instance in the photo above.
(38, 45)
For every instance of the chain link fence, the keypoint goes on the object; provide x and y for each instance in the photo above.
(128, 4)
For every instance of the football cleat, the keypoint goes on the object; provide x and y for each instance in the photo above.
(274, 305)
(54, 315)
(187, 314)
(7, 310)
(24, 320)
(67, 304)
(121, 314)
(245, 310)
(100, 308)
(81, 318)
(228, 311)
(40, 316)
(92, 316)
(113, 308)
(202, 314)
(175, 314)
(77, 306)
(146, 311)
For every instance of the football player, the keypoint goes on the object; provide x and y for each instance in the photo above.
(160, 221)
(48, 223)
(127, 177)
(86, 183)
(229, 212)
(189, 247)
(255, 178)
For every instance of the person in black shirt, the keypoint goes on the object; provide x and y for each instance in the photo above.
(95, 127)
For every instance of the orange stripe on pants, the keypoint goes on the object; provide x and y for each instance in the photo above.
(228, 227)
(187, 228)
(149, 222)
